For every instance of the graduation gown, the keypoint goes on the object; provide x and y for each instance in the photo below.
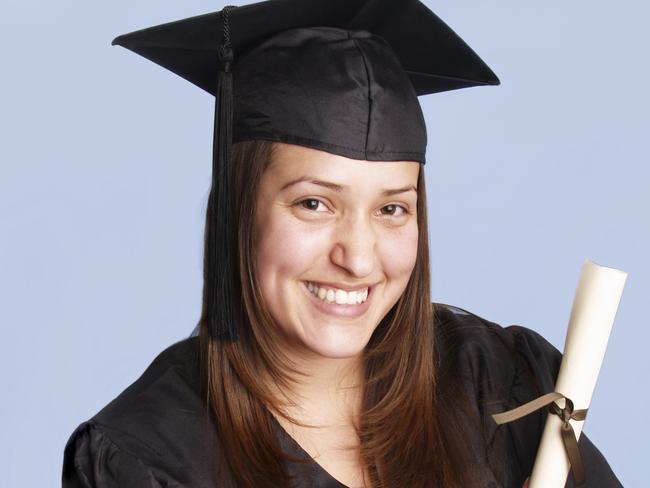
(154, 433)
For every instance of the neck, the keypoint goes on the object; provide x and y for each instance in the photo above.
(328, 390)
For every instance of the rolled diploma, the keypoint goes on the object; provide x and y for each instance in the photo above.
(592, 316)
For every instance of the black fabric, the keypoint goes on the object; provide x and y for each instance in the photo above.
(331, 89)
(341, 76)
(155, 433)
(433, 55)
(501, 368)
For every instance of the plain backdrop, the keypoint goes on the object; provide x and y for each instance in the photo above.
(105, 167)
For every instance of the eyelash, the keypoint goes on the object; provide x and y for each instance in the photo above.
(405, 209)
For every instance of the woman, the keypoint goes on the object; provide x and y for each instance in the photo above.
(320, 360)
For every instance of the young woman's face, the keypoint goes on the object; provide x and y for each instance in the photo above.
(335, 244)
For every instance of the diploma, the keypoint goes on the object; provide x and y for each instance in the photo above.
(594, 308)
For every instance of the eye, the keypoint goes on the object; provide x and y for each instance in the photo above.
(310, 204)
(393, 210)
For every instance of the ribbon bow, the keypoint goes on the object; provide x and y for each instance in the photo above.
(568, 435)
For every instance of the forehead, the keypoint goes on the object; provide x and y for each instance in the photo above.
(290, 161)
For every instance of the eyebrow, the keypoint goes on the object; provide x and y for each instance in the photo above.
(339, 188)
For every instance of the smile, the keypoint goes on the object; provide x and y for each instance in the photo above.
(338, 296)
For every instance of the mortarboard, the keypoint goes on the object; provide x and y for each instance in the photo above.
(342, 76)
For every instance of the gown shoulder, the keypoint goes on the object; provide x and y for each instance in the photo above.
(93, 459)
(500, 368)
(153, 434)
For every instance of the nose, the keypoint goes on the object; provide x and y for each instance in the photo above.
(355, 245)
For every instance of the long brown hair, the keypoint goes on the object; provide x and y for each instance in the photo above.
(410, 428)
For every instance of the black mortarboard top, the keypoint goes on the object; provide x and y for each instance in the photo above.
(341, 76)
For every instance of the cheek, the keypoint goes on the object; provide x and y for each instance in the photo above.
(286, 248)
(398, 252)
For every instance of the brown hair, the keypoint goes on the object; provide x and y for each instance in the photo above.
(408, 437)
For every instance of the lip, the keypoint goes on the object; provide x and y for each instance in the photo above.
(324, 284)
(345, 311)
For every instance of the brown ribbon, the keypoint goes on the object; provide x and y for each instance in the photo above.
(568, 435)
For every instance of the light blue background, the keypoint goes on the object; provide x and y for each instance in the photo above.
(105, 167)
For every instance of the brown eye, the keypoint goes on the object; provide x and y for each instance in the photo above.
(309, 204)
(392, 209)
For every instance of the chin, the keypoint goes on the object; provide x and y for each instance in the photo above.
(336, 344)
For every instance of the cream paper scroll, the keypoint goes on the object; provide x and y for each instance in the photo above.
(594, 308)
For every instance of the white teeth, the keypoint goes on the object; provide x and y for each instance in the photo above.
(341, 297)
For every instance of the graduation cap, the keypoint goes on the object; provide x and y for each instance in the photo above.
(341, 76)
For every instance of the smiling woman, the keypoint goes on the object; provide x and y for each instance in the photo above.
(308, 355)
(329, 273)
(320, 360)
(336, 229)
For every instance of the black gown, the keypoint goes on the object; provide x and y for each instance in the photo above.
(154, 433)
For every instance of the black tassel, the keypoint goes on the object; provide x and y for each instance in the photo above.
(221, 278)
